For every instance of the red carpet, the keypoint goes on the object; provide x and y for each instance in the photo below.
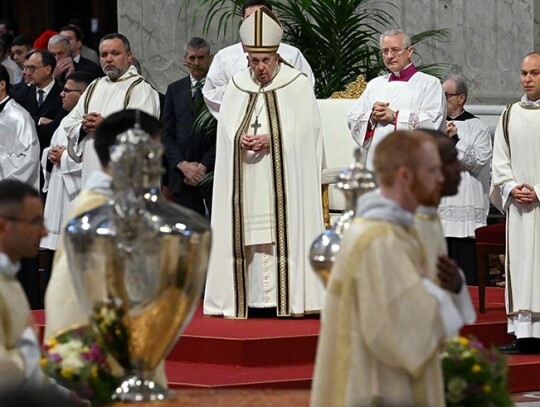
(279, 353)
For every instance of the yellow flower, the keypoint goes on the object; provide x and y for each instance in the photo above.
(94, 371)
(43, 362)
(463, 341)
(486, 388)
(67, 372)
(51, 343)
(476, 368)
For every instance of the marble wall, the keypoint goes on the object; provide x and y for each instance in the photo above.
(486, 43)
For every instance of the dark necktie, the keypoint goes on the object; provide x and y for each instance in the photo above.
(198, 90)
(41, 93)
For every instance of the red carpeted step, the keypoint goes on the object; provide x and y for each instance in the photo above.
(279, 353)
(183, 374)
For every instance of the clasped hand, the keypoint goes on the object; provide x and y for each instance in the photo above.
(381, 113)
(55, 154)
(448, 274)
(193, 172)
(524, 194)
(90, 121)
(255, 142)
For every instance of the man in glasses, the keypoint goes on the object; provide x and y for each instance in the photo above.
(42, 97)
(466, 210)
(231, 60)
(62, 174)
(21, 229)
(404, 99)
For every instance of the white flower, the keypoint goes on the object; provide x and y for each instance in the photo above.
(71, 355)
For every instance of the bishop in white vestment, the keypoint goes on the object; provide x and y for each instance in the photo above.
(267, 197)
(404, 99)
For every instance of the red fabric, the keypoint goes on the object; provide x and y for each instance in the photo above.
(404, 75)
(42, 41)
(491, 234)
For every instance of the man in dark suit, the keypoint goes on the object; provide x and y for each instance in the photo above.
(190, 152)
(60, 46)
(42, 98)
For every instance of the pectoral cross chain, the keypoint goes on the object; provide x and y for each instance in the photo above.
(255, 126)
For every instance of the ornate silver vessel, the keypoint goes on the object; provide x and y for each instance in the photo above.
(139, 266)
(353, 182)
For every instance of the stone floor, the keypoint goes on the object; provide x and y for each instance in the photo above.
(272, 397)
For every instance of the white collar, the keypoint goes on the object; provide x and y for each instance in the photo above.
(46, 89)
(7, 267)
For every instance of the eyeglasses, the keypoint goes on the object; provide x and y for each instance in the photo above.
(449, 95)
(34, 222)
(67, 90)
(393, 51)
(31, 68)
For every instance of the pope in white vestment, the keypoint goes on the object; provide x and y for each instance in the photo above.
(107, 96)
(515, 162)
(19, 144)
(267, 202)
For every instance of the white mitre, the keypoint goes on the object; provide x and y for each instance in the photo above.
(261, 32)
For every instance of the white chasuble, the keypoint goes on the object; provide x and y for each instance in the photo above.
(279, 202)
(515, 161)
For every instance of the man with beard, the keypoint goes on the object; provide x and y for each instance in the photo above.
(120, 89)
(444, 270)
(384, 319)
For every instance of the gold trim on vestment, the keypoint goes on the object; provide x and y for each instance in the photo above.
(127, 99)
(239, 255)
(508, 269)
(528, 106)
(261, 88)
(89, 94)
(280, 204)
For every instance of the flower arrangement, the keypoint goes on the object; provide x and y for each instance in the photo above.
(474, 375)
(77, 362)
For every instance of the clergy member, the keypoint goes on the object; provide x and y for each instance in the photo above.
(267, 200)
(404, 99)
(21, 229)
(464, 212)
(384, 320)
(516, 180)
(121, 88)
(232, 59)
(61, 173)
(19, 145)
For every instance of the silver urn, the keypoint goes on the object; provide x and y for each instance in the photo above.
(138, 264)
